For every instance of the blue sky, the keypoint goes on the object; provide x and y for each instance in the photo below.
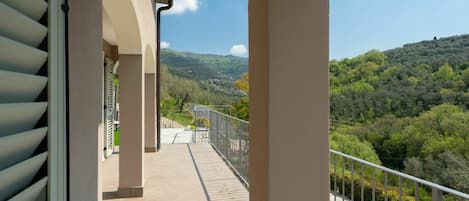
(356, 26)
(360, 25)
(213, 26)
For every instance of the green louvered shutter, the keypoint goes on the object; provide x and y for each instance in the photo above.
(23, 99)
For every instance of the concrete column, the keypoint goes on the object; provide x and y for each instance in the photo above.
(289, 101)
(132, 129)
(150, 112)
(85, 99)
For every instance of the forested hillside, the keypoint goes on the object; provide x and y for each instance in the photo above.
(408, 108)
(451, 50)
(204, 66)
(189, 78)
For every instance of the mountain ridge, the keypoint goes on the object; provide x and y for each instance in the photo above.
(204, 66)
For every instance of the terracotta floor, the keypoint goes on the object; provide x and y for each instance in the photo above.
(180, 172)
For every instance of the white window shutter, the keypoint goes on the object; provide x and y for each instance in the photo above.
(109, 112)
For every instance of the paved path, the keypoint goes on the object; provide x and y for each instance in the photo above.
(181, 135)
(180, 172)
(176, 136)
(168, 123)
(219, 181)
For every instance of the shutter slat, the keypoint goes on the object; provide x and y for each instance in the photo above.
(20, 87)
(16, 178)
(34, 9)
(110, 106)
(32, 193)
(20, 117)
(23, 28)
(20, 28)
(17, 57)
(18, 147)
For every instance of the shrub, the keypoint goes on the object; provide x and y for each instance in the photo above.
(408, 188)
(202, 122)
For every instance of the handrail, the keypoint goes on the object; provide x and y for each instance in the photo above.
(243, 180)
(228, 138)
(436, 188)
(228, 116)
(406, 176)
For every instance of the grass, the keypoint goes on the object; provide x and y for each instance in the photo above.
(116, 137)
(183, 118)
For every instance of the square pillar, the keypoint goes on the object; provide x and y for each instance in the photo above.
(289, 100)
(86, 100)
(150, 112)
(132, 127)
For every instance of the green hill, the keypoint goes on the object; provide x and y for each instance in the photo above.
(190, 78)
(410, 104)
(204, 66)
(452, 50)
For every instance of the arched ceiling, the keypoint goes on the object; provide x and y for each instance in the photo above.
(130, 24)
(109, 34)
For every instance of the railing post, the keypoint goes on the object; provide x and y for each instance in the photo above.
(352, 193)
(211, 126)
(218, 131)
(416, 191)
(362, 195)
(343, 177)
(437, 195)
(400, 188)
(194, 135)
(240, 152)
(335, 177)
(373, 175)
(227, 138)
(385, 186)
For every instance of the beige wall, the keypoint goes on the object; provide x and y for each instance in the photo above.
(259, 101)
(132, 105)
(289, 129)
(86, 99)
(150, 112)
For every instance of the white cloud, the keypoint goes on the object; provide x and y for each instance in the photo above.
(182, 6)
(239, 50)
(164, 44)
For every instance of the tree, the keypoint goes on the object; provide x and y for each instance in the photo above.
(445, 168)
(410, 105)
(181, 89)
(243, 83)
(445, 73)
(242, 106)
(465, 76)
(350, 144)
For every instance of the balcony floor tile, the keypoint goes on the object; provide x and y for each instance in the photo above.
(180, 172)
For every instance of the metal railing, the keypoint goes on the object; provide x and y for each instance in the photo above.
(386, 184)
(351, 178)
(228, 135)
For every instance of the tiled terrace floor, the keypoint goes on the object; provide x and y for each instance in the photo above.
(180, 172)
